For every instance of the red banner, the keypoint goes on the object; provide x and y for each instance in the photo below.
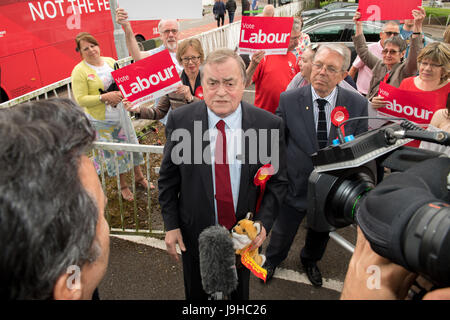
(376, 10)
(417, 107)
(147, 79)
(265, 33)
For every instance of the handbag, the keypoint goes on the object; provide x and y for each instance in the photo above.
(113, 86)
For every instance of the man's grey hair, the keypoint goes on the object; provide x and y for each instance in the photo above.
(297, 26)
(390, 23)
(162, 21)
(268, 11)
(220, 56)
(341, 49)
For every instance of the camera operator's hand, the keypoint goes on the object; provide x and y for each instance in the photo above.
(438, 294)
(394, 281)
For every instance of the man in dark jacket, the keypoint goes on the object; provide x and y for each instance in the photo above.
(219, 11)
(231, 8)
(245, 7)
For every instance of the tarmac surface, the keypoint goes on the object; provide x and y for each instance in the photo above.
(140, 269)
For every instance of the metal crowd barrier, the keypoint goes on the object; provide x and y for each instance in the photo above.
(121, 227)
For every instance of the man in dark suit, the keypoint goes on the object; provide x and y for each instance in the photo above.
(194, 191)
(307, 113)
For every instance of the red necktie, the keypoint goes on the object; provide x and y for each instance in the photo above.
(224, 196)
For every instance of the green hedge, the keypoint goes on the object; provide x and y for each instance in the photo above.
(437, 12)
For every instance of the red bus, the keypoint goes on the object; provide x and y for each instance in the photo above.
(37, 39)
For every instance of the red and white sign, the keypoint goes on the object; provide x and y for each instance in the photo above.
(376, 10)
(417, 107)
(265, 33)
(147, 79)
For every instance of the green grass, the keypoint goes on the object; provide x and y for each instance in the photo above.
(324, 3)
(437, 12)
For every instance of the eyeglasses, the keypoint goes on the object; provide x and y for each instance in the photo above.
(391, 52)
(193, 59)
(390, 33)
(431, 65)
(328, 69)
(168, 31)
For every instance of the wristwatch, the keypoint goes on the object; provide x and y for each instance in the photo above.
(100, 98)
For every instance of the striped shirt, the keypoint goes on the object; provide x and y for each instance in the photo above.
(331, 103)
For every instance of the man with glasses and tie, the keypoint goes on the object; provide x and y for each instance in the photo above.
(390, 29)
(307, 112)
(212, 154)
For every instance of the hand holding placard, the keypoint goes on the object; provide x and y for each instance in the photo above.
(377, 10)
(265, 33)
(147, 79)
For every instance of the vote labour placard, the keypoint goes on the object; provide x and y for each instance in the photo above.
(376, 10)
(265, 33)
(417, 107)
(147, 79)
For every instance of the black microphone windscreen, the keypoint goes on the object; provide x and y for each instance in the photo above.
(217, 260)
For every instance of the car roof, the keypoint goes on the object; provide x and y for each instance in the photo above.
(328, 13)
(373, 24)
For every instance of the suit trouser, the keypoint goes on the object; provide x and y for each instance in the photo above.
(283, 234)
(193, 282)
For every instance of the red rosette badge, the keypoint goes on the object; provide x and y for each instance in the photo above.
(338, 116)
(199, 92)
(261, 177)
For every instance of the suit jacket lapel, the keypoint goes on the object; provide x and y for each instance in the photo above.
(247, 123)
(339, 102)
(205, 169)
(307, 115)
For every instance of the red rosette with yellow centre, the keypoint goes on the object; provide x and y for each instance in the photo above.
(261, 177)
(338, 116)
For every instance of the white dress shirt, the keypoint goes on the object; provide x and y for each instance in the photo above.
(233, 130)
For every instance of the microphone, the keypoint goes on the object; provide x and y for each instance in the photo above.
(217, 262)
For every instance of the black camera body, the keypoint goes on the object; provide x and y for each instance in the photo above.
(347, 174)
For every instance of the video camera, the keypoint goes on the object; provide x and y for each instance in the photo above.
(346, 172)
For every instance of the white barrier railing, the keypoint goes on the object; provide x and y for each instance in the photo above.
(122, 226)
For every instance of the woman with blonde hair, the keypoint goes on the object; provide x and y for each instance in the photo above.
(94, 89)
(190, 55)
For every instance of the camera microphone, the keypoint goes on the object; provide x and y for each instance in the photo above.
(217, 262)
(439, 137)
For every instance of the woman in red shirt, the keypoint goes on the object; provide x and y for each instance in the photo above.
(434, 70)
